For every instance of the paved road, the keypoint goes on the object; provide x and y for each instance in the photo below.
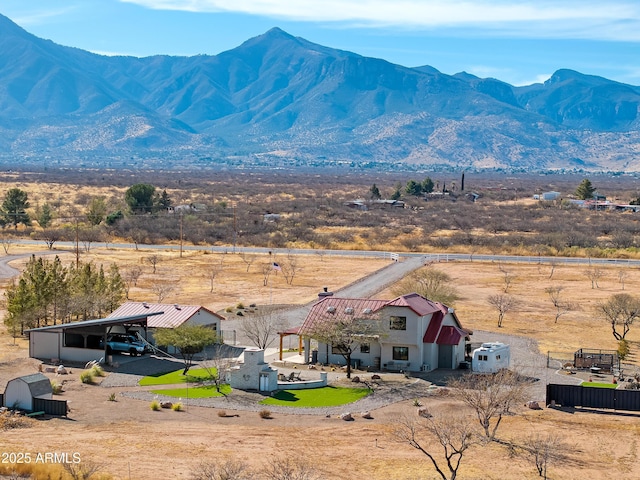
(365, 287)
(8, 272)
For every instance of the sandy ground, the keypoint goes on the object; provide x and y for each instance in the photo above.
(130, 441)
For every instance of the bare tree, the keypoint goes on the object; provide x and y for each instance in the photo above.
(153, 260)
(507, 277)
(562, 306)
(431, 283)
(553, 265)
(82, 470)
(6, 243)
(162, 289)
(345, 334)
(131, 276)
(248, 259)
(267, 268)
(544, 451)
(218, 361)
(289, 268)
(261, 328)
(594, 274)
(503, 303)
(491, 396)
(288, 468)
(49, 236)
(222, 469)
(454, 434)
(622, 275)
(621, 310)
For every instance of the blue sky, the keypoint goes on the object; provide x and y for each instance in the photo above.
(517, 41)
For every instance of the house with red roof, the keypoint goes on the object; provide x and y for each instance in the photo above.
(412, 333)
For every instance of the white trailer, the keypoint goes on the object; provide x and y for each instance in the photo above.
(491, 357)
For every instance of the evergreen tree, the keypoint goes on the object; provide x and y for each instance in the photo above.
(427, 185)
(14, 208)
(585, 190)
(375, 192)
(44, 215)
(140, 198)
(413, 188)
(96, 211)
(164, 202)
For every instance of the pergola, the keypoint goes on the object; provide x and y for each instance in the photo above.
(286, 333)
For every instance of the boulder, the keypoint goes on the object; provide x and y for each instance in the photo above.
(424, 412)
(166, 404)
(346, 417)
(366, 415)
(533, 405)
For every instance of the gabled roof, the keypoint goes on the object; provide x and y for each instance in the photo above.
(417, 303)
(335, 309)
(166, 315)
(37, 383)
(450, 335)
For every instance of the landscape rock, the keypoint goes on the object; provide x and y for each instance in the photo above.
(346, 417)
(166, 404)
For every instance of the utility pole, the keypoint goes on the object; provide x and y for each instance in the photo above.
(180, 234)
(77, 246)
(235, 230)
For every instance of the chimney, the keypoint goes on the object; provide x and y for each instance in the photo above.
(325, 293)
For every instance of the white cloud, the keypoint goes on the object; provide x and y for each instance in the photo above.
(612, 20)
(40, 17)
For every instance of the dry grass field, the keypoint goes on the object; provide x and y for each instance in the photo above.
(131, 441)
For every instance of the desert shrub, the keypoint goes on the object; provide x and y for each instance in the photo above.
(87, 376)
(10, 420)
(222, 413)
(56, 387)
(155, 405)
(177, 407)
(112, 397)
(98, 371)
(240, 306)
(264, 413)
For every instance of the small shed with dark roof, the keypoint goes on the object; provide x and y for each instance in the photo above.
(21, 391)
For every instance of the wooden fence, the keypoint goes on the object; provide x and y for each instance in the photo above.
(593, 397)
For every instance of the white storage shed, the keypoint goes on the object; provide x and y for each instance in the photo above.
(491, 357)
(21, 391)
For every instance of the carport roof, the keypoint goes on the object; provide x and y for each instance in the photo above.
(134, 319)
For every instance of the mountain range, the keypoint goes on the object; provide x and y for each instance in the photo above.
(282, 101)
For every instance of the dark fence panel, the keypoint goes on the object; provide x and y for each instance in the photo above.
(593, 397)
(1, 399)
(50, 407)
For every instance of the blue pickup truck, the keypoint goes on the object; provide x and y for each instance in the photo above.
(121, 343)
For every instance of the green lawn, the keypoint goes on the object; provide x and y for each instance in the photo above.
(193, 376)
(207, 391)
(599, 385)
(317, 397)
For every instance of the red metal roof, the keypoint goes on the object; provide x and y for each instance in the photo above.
(417, 303)
(434, 327)
(450, 335)
(173, 315)
(335, 309)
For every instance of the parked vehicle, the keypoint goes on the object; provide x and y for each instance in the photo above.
(491, 357)
(124, 344)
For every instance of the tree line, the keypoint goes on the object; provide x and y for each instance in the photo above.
(48, 293)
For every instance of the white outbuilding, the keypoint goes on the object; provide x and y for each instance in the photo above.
(21, 391)
(491, 357)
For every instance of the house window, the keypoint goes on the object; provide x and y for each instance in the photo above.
(401, 353)
(397, 323)
(483, 358)
(365, 348)
(497, 357)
